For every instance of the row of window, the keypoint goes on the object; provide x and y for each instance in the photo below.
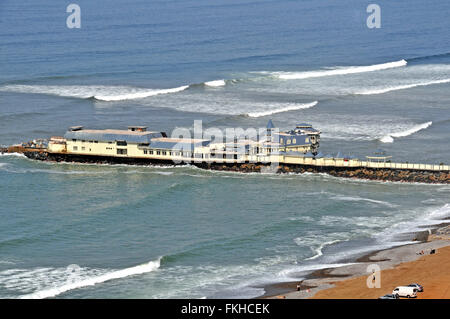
(122, 151)
(164, 153)
(84, 141)
(119, 143)
(288, 141)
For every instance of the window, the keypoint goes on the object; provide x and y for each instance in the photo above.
(158, 152)
(145, 151)
(151, 152)
(96, 142)
(281, 141)
(121, 143)
(307, 140)
(75, 148)
(288, 142)
(122, 151)
(74, 140)
(164, 153)
(294, 141)
(83, 148)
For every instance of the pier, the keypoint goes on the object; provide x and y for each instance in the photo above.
(293, 151)
(355, 169)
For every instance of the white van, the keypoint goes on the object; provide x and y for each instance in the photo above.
(404, 291)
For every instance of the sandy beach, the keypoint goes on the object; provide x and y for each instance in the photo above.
(398, 266)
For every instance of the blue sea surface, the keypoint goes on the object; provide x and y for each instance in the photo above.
(112, 231)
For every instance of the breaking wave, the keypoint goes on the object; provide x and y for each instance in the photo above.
(400, 87)
(338, 71)
(98, 92)
(361, 199)
(216, 83)
(138, 95)
(283, 109)
(319, 249)
(431, 218)
(389, 138)
(13, 154)
(69, 278)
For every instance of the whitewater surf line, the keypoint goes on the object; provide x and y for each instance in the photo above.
(97, 92)
(127, 272)
(400, 87)
(389, 138)
(138, 95)
(338, 71)
(215, 83)
(283, 109)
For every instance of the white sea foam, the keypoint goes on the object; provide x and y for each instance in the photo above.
(338, 71)
(318, 250)
(317, 242)
(287, 273)
(19, 170)
(389, 138)
(359, 199)
(216, 83)
(431, 217)
(99, 92)
(138, 95)
(73, 278)
(288, 108)
(13, 154)
(400, 87)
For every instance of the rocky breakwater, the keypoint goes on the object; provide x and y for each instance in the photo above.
(40, 156)
(393, 175)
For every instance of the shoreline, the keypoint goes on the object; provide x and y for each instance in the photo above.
(339, 282)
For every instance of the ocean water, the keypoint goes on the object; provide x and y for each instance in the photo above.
(111, 231)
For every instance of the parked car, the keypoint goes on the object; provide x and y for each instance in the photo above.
(405, 291)
(389, 296)
(419, 287)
